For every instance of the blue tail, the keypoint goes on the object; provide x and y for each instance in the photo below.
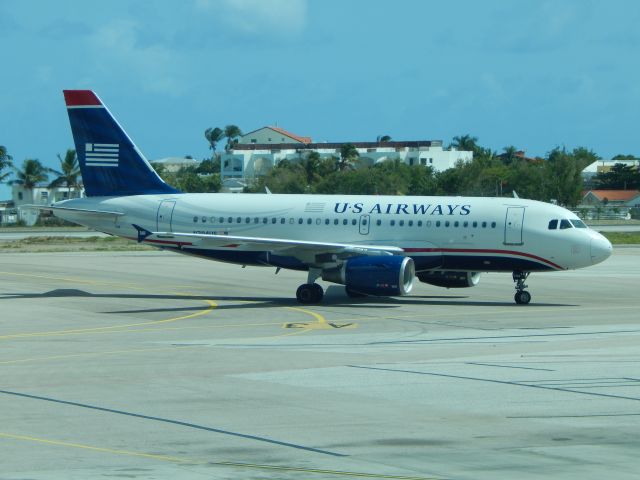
(110, 163)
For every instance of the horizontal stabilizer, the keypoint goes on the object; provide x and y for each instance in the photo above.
(80, 210)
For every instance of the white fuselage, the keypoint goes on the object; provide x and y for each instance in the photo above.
(451, 233)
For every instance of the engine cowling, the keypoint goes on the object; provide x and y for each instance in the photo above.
(388, 275)
(449, 279)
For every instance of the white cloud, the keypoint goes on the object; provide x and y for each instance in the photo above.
(256, 17)
(117, 50)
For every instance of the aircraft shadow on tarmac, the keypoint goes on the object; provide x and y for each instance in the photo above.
(334, 298)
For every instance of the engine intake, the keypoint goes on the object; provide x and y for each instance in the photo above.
(450, 279)
(389, 275)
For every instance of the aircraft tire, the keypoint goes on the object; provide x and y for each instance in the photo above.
(309, 293)
(522, 298)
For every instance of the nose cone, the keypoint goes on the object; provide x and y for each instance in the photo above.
(600, 249)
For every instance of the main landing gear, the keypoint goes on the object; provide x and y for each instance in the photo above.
(522, 297)
(310, 292)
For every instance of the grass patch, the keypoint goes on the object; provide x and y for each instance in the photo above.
(618, 238)
(71, 244)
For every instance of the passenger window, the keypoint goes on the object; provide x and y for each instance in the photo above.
(419, 223)
(336, 221)
(195, 219)
(553, 224)
(204, 219)
(484, 224)
(447, 223)
(256, 220)
(221, 219)
(378, 222)
(438, 223)
(212, 219)
(309, 221)
(265, 219)
(282, 221)
(326, 221)
(401, 223)
(428, 223)
(239, 220)
(564, 224)
(493, 224)
(475, 224)
(247, 220)
(392, 223)
(410, 223)
(318, 221)
(456, 224)
(354, 221)
(274, 220)
(230, 220)
(291, 221)
(345, 222)
(364, 222)
(300, 221)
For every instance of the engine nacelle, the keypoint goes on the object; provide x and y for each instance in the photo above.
(388, 275)
(450, 279)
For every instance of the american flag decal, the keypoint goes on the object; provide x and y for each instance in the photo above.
(101, 154)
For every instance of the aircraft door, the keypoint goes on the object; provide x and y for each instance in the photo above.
(165, 215)
(364, 224)
(513, 226)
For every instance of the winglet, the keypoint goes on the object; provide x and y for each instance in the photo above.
(143, 233)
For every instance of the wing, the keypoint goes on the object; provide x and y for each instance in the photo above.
(310, 252)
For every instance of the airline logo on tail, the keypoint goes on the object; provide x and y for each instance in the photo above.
(101, 154)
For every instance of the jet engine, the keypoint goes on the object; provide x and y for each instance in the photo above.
(449, 279)
(388, 275)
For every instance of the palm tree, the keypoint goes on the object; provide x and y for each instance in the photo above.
(465, 142)
(231, 132)
(68, 174)
(31, 173)
(213, 136)
(348, 154)
(310, 166)
(509, 154)
(5, 162)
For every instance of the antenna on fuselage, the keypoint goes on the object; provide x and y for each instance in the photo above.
(515, 195)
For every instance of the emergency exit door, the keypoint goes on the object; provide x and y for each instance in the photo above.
(165, 215)
(513, 226)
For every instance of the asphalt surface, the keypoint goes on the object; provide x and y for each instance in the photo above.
(154, 365)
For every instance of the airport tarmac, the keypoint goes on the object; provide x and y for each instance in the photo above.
(154, 365)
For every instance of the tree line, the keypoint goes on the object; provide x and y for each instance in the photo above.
(555, 177)
(33, 172)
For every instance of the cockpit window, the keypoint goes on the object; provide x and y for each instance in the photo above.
(564, 224)
(553, 224)
(578, 223)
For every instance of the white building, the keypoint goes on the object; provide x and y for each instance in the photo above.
(173, 164)
(603, 166)
(259, 151)
(41, 194)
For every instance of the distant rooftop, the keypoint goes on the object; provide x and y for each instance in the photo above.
(318, 146)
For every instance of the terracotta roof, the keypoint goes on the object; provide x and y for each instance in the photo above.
(614, 195)
(292, 135)
(282, 131)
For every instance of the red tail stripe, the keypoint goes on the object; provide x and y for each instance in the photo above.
(75, 98)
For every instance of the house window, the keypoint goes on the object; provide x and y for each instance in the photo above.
(19, 195)
(253, 140)
(44, 196)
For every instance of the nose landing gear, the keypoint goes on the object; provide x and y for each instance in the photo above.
(522, 297)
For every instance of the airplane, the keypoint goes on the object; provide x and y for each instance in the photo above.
(373, 245)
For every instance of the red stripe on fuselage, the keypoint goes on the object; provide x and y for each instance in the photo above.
(481, 250)
(74, 98)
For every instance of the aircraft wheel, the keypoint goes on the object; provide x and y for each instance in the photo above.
(523, 297)
(309, 293)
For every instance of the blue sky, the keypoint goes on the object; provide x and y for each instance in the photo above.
(531, 73)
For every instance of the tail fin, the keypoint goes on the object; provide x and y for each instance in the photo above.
(110, 163)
